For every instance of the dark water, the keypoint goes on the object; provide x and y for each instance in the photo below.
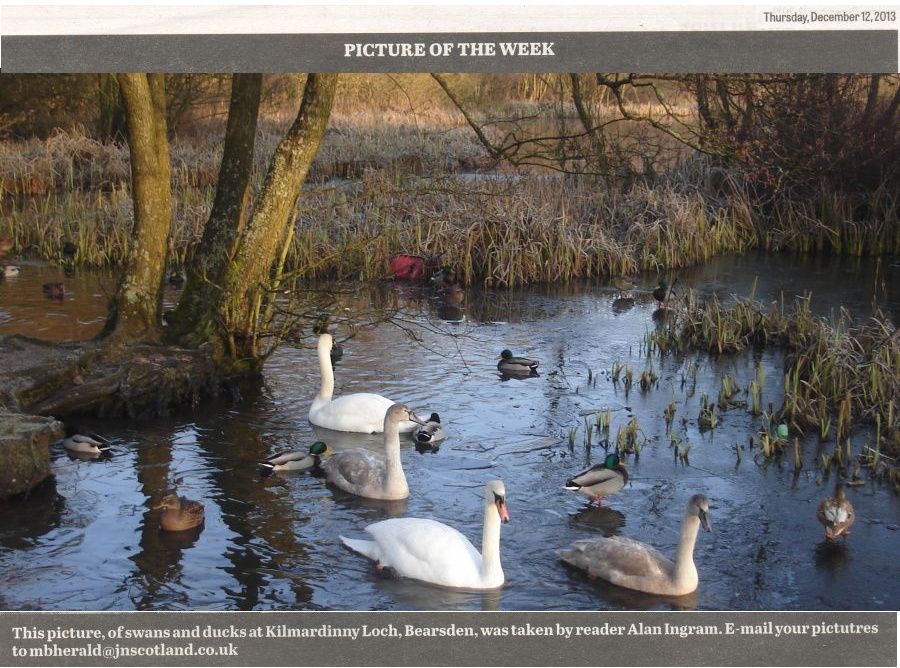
(90, 541)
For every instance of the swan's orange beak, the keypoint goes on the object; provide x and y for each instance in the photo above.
(501, 508)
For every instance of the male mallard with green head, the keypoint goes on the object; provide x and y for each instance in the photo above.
(296, 461)
(600, 480)
(661, 292)
(511, 365)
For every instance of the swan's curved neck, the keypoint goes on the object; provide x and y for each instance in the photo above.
(394, 479)
(490, 544)
(685, 570)
(326, 391)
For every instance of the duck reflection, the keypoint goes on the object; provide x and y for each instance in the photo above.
(832, 556)
(622, 305)
(604, 519)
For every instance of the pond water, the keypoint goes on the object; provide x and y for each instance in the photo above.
(89, 540)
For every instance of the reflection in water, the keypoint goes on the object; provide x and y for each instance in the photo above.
(832, 556)
(622, 305)
(91, 541)
(606, 520)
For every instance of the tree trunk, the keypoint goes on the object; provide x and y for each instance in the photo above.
(135, 309)
(247, 280)
(111, 124)
(194, 320)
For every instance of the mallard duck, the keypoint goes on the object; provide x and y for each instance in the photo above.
(69, 249)
(600, 480)
(54, 290)
(511, 365)
(836, 514)
(179, 513)
(624, 286)
(10, 271)
(362, 412)
(453, 294)
(431, 551)
(634, 565)
(84, 444)
(296, 461)
(431, 431)
(363, 473)
(661, 292)
(176, 279)
(445, 277)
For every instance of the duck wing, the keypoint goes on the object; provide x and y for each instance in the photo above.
(285, 457)
(591, 476)
(427, 550)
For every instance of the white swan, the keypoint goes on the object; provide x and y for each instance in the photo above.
(436, 553)
(635, 565)
(364, 473)
(361, 412)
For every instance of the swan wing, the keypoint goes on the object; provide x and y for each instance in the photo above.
(362, 412)
(617, 559)
(355, 469)
(427, 550)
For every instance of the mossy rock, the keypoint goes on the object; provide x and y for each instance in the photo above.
(24, 451)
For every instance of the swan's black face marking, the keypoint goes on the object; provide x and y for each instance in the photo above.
(704, 519)
(500, 502)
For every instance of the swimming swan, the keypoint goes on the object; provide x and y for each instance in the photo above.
(361, 412)
(434, 552)
(635, 565)
(364, 473)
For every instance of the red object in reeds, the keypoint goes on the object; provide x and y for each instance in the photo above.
(407, 267)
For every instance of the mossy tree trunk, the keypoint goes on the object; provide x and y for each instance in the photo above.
(135, 309)
(246, 285)
(194, 320)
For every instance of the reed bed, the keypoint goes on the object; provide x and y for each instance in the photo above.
(383, 184)
(837, 372)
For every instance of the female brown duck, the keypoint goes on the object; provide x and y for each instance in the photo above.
(180, 514)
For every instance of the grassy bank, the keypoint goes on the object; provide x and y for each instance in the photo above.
(383, 185)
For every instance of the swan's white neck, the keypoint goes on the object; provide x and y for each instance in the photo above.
(394, 478)
(326, 391)
(685, 570)
(491, 571)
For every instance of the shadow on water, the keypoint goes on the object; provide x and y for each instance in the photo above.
(89, 539)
